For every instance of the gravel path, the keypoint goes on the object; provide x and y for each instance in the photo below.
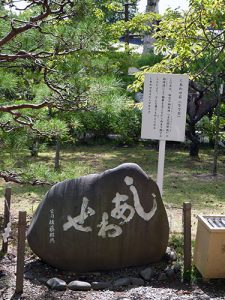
(37, 273)
(139, 293)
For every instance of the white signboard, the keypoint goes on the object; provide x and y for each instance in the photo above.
(165, 105)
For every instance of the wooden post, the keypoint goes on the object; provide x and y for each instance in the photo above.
(57, 155)
(20, 251)
(7, 204)
(187, 241)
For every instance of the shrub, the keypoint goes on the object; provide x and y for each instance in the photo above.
(128, 125)
(97, 123)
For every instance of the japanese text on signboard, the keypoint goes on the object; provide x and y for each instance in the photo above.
(165, 104)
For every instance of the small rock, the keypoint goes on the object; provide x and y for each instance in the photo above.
(69, 273)
(162, 277)
(136, 281)
(167, 254)
(11, 257)
(100, 285)
(96, 274)
(147, 273)
(170, 254)
(78, 285)
(43, 280)
(138, 97)
(83, 277)
(28, 276)
(170, 273)
(176, 267)
(122, 282)
(56, 284)
(2, 273)
(173, 256)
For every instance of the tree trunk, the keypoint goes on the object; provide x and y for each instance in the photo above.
(195, 143)
(126, 38)
(217, 130)
(34, 149)
(57, 156)
(152, 6)
(194, 149)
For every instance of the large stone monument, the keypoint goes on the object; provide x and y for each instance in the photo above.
(101, 221)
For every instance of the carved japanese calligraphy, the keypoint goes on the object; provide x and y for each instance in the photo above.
(78, 222)
(137, 204)
(101, 221)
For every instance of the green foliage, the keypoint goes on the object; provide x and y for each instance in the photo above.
(105, 92)
(208, 125)
(89, 84)
(176, 241)
(123, 121)
(191, 42)
(17, 139)
(181, 181)
(23, 78)
(41, 91)
(139, 24)
(8, 85)
(144, 63)
(113, 11)
(96, 122)
(128, 125)
(53, 128)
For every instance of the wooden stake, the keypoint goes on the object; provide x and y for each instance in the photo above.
(187, 241)
(57, 155)
(7, 204)
(20, 251)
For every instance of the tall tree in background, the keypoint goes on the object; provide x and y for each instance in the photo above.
(152, 6)
(115, 10)
(193, 42)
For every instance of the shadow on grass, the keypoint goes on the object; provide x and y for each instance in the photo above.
(180, 181)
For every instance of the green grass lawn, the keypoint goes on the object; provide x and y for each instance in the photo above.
(184, 179)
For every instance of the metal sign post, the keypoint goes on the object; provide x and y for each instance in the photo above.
(161, 159)
(164, 112)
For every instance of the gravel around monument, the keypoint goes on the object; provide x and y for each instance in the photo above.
(156, 281)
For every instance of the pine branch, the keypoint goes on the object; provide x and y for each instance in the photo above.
(14, 177)
(10, 108)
